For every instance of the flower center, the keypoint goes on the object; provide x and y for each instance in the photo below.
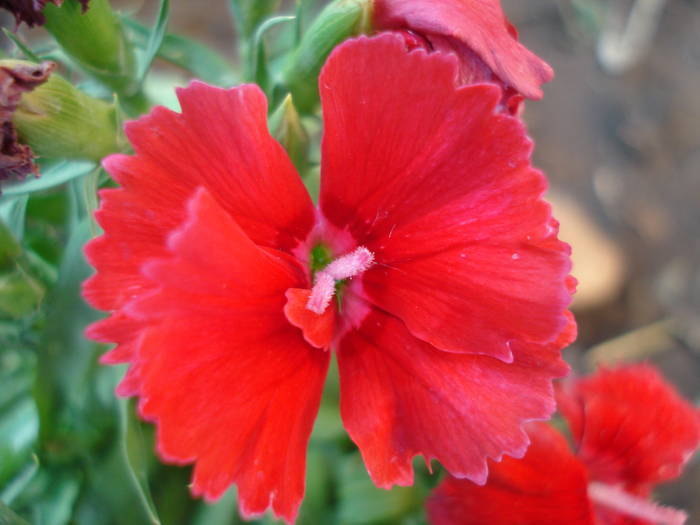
(617, 499)
(328, 273)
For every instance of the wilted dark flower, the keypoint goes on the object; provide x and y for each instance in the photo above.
(16, 78)
(30, 11)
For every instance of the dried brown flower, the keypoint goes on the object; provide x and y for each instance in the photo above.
(30, 11)
(16, 78)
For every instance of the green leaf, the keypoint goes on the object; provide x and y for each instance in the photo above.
(136, 457)
(51, 496)
(54, 174)
(71, 417)
(258, 71)
(21, 294)
(156, 38)
(317, 506)
(249, 14)
(28, 53)
(13, 210)
(20, 482)
(18, 420)
(200, 60)
(223, 512)
(361, 503)
(7, 517)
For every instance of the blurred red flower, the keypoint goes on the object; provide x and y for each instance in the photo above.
(478, 32)
(431, 267)
(631, 431)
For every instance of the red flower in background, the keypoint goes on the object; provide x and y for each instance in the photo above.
(481, 36)
(631, 431)
(431, 267)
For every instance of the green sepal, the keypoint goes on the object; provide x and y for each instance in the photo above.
(286, 126)
(95, 40)
(340, 20)
(59, 121)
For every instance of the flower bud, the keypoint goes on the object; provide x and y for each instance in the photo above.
(286, 126)
(96, 41)
(478, 34)
(59, 120)
(340, 20)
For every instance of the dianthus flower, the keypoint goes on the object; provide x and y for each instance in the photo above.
(631, 431)
(481, 36)
(431, 268)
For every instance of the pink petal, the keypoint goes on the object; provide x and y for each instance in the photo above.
(231, 384)
(401, 397)
(479, 27)
(547, 486)
(440, 188)
(631, 426)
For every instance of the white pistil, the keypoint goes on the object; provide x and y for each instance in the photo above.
(617, 499)
(345, 267)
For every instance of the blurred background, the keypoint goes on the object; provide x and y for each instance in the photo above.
(618, 134)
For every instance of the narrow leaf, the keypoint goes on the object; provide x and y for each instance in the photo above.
(200, 60)
(12, 212)
(28, 53)
(52, 176)
(135, 454)
(7, 517)
(257, 70)
(156, 38)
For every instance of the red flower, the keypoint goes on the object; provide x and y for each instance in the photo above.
(631, 432)
(445, 301)
(479, 33)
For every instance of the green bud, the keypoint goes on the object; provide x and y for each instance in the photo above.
(286, 126)
(340, 20)
(21, 294)
(9, 248)
(58, 120)
(96, 41)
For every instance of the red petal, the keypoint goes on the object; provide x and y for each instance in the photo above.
(480, 26)
(221, 142)
(632, 427)
(401, 397)
(317, 329)
(548, 486)
(231, 384)
(440, 189)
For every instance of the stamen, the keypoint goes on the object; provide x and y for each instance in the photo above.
(344, 267)
(631, 505)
